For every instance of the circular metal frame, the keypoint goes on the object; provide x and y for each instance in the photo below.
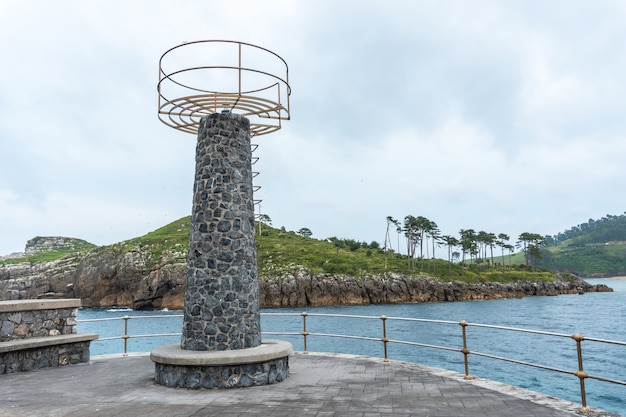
(186, 93)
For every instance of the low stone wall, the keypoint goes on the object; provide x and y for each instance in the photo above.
(38, 334)
(22, 319)
(265, 364)
(232, 376)
(36, 353)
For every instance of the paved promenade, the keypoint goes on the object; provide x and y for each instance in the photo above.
(321, 385)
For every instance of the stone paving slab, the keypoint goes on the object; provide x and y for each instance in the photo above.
(320, 385)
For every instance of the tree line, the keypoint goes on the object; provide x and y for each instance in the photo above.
(423, 235)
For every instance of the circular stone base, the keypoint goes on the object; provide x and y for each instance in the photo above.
(262, 365)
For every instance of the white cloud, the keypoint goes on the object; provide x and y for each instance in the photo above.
(499, 116)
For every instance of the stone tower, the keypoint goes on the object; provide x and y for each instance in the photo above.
(221, 344)
(222, 288)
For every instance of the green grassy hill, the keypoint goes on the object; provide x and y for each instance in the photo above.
(594, 248)
(582, 250)
(592, 259)
(279, 251)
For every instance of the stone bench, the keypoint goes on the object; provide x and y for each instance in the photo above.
(37, 334)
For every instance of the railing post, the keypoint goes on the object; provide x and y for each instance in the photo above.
(125, 337)
(581, 374)
(465, 350)
(304, 332)
(384, 339)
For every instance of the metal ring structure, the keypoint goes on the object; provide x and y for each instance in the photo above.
(190, 73)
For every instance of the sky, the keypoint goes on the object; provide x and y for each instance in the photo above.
(499, 116)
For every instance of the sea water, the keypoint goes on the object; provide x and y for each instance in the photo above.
(594, 315)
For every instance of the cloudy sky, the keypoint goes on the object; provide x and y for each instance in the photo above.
(500, 116)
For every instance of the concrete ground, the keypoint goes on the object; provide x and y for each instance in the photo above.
(321, 385)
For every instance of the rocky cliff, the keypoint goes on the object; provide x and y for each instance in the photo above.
(104, 277)
(37, 280)
(140, 280)
(119, 278)
(301, 288)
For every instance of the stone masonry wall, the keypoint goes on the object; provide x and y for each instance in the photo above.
(38, 334)
(228, 376)
(221, 306)
(44, 357)
(40, 323)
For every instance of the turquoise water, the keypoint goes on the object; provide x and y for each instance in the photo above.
(595, 315)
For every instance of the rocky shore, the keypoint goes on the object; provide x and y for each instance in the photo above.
(301, 288)
(131, 279)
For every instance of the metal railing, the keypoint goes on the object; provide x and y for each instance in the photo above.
(126, 336)
(578, 338)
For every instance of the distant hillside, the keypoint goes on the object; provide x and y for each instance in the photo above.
(608, 229)
(148, 272)
(279, 251)
(595, 248)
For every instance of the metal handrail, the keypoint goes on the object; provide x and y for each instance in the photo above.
(126, 335)
(577, 337)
